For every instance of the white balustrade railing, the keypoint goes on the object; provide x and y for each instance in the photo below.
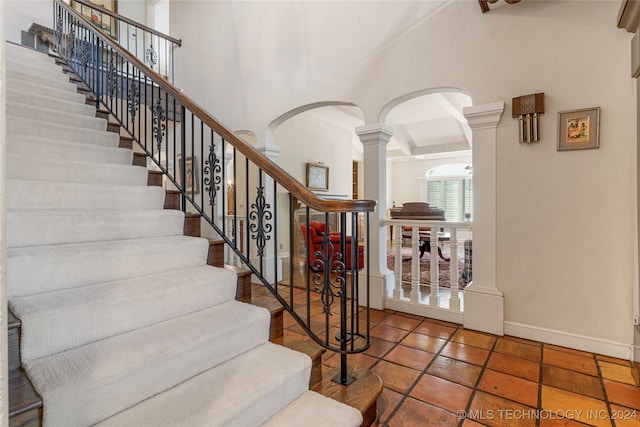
(440, 302)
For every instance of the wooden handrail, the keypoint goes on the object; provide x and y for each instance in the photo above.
(129, 21)
(298, 191)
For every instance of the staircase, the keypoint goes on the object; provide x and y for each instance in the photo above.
(121, 320)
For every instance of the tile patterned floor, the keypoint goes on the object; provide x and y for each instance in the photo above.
(439, 374)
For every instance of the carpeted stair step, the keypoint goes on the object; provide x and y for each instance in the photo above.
(33, 270)
(47, 115)
(31, 127)
(15, 86)
(19, 51)
(43, 72)
(21, 194)
(245, 391)
(40, 169)
(87, 384)
(76, 107)
(68, 151)
(28, 227)
(112, 308)
(61, 83)
(312, 409)
(46, 66)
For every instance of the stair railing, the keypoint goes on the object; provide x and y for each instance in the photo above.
(250, 202)
(148, 45)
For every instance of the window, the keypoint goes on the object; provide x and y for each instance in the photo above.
(450, 187)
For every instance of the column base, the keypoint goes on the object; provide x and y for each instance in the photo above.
(381, 283)
(484, 309)
(268, 269)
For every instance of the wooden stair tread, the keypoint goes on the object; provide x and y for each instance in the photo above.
(309, 348)
(13, 321)
(240, 271)
(362, 394)
(22, 395)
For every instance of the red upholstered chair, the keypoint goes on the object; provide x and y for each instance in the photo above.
(316, 235)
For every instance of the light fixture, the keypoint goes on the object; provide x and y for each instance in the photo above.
(528, 109)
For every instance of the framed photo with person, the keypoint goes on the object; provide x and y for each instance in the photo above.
(579, 129)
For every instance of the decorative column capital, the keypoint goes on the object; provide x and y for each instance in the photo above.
(271, 151)
(374, 133)
(485, 116)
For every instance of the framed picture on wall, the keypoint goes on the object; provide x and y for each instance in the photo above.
(191, 169)
(579, 129)
(99, 15)
(317, 176)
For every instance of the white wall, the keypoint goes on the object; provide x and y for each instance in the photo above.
(565, 219)
(304, 139)
(20, 14)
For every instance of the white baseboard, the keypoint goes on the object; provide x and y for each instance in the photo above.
(565, 339)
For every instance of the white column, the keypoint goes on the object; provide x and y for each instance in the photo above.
(374, 138)
(4, 369)
(483, 302)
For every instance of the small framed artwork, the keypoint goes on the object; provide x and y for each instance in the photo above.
(99, 15)
(579, 129)
(191, 168)
(317, 176)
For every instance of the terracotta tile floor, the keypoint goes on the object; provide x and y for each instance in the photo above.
(435, 372)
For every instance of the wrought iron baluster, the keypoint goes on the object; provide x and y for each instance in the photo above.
(159, 122)
(211, 172)
(260, 214)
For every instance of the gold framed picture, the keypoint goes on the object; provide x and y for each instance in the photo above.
(99, 15)
(579, 129)
(317, 177)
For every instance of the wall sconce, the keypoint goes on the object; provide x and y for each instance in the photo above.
(528, 109)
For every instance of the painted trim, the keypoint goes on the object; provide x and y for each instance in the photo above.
(565, 339)
(425, 310)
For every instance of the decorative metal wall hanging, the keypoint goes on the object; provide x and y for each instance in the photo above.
(528, 109)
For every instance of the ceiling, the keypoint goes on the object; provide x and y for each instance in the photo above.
(425, 126)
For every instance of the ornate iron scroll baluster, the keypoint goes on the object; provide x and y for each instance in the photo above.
(327, 261)
(112, 82)
(159, 122)
(133, 101)
(58, 31)
(260, 213)
(84, 53)
(72, 40)
(212, 171)
(151, 56)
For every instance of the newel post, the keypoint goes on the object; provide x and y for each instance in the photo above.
(374, 138)
(483, 301)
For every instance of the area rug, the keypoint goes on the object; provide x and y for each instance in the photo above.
(425, 269)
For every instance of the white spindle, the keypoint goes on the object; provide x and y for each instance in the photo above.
(397, 245)
(454, 274)
(415, 265)
(435, 279)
